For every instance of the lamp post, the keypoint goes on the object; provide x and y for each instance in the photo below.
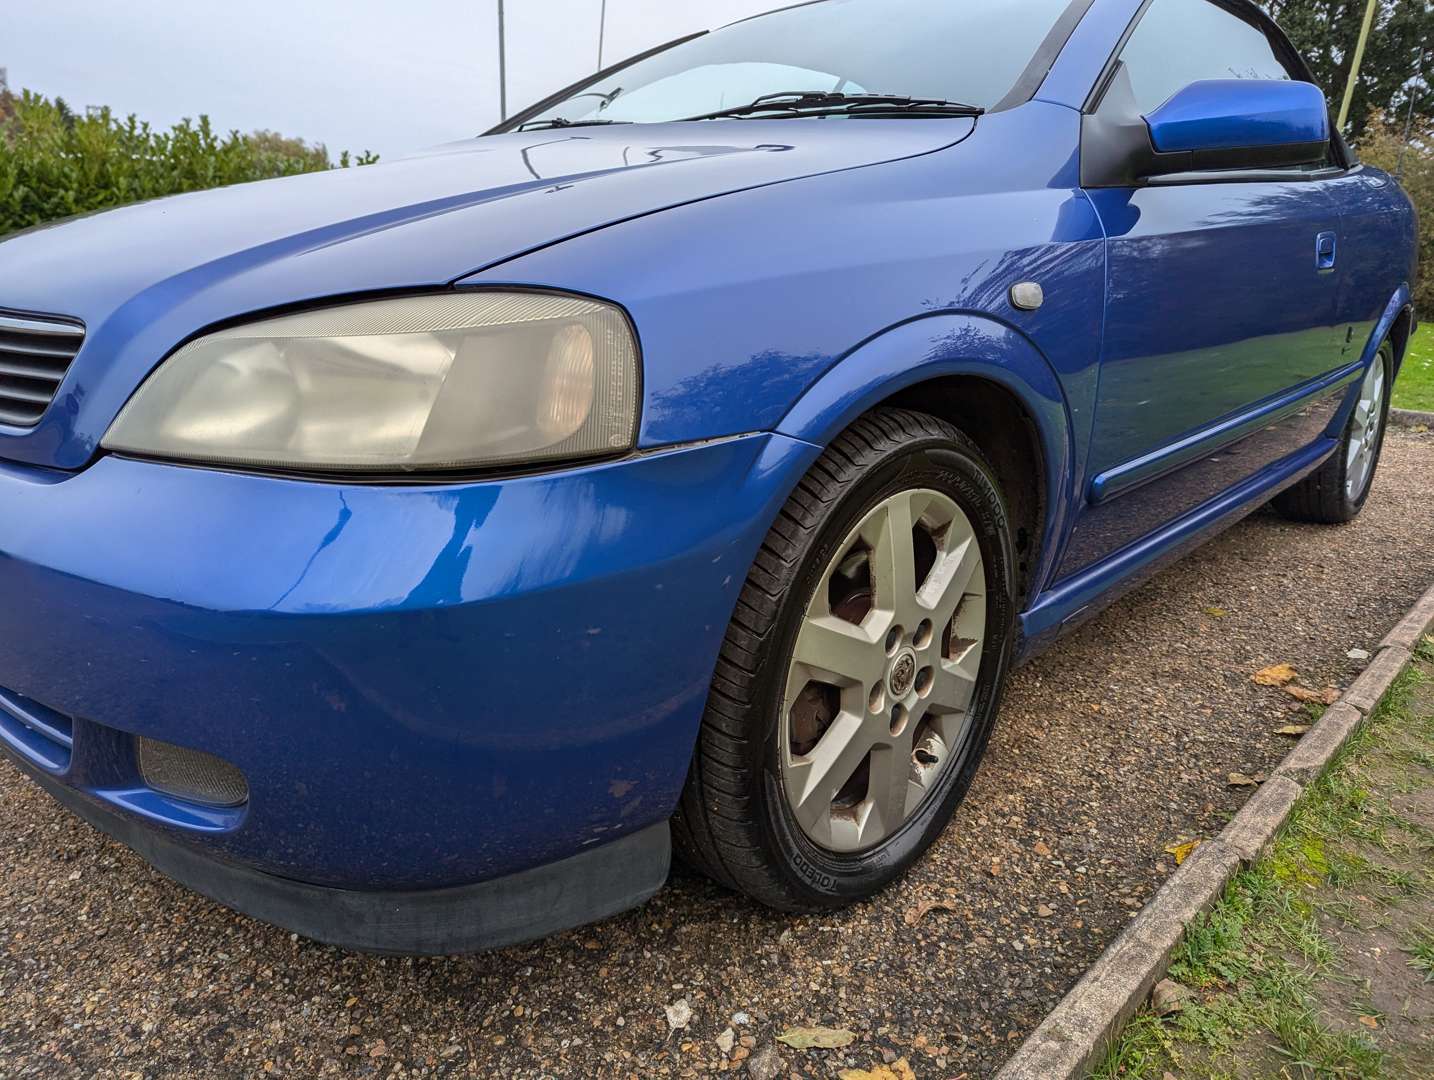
(602, 33)
(1354, 66)
(502, 64)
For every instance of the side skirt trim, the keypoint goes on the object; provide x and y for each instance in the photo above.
(1092, 589)
(1134, 474)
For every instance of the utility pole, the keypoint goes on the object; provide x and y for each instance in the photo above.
(602, 33)
(1354, 66)
(502, 64)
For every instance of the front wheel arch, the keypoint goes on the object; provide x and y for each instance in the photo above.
(987, 380)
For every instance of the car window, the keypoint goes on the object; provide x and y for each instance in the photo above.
(719, 86)
(1179, 42)
(971, 51)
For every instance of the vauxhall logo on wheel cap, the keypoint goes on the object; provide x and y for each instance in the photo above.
(903, 674)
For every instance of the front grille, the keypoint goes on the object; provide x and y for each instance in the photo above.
(35, 353)
(40, 734)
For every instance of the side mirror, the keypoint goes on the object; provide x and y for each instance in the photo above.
(1239, 124)
(1217, 124)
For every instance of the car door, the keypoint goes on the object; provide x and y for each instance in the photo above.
(1377, 229)
(1220, 302)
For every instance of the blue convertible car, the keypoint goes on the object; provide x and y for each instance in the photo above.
(414, 556)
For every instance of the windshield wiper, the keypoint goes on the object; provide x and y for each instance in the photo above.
(793, 103)
(561, 122)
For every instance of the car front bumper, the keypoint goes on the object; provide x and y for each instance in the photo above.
(431, 691)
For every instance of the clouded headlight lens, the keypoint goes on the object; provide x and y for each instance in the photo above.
(429, 382)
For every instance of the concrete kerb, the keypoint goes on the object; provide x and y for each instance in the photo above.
(1071, 1041)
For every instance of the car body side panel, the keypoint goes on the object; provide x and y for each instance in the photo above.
(1377, 222)
(1216, 306)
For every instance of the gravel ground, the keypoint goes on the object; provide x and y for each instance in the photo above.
(1112, 746)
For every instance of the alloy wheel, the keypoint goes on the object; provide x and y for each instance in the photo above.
(883, 672)
(1365, 430)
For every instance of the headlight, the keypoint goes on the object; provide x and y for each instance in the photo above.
(427, 382)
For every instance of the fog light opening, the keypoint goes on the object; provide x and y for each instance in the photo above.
(191, 775)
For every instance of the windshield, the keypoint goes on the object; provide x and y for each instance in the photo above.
(969, 51)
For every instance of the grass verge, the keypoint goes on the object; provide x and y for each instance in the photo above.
(1414, 389)
(1286, 976)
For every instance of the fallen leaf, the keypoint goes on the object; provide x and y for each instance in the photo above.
(1182, 851)
(1216, 612)
(1277, 675)
(900, 1069)
(925, 908)
(1328, 696)
(1239, 779)
(995, 868)
(816, 1038)
(1294, 731)
(679, 1014)
(1370, 1022)
(1041, 849)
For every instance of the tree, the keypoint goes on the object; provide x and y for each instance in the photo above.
(1383, 144)
(1327, 31)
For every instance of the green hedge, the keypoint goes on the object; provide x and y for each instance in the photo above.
(54, 162)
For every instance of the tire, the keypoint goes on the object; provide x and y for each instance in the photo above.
(736, 821)
(1336, 492)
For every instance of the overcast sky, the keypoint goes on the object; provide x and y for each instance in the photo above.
(385, 75)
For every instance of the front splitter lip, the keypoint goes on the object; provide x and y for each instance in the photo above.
(584, 888)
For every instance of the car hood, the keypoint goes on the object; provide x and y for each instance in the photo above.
(145, 278)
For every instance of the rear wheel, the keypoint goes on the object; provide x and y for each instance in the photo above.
(1337, 491)
(861, 673)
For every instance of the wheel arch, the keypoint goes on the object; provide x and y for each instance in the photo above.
(1400, 335)
(1395, 325)
(985, 378)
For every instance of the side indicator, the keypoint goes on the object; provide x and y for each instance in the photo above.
(1027, 295)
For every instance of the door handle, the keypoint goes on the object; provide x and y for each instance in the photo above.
(1326, 251)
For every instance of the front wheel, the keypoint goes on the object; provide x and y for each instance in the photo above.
(861, 673)
(1337, 491)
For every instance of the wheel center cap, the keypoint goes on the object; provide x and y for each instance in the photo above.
(903, 674)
